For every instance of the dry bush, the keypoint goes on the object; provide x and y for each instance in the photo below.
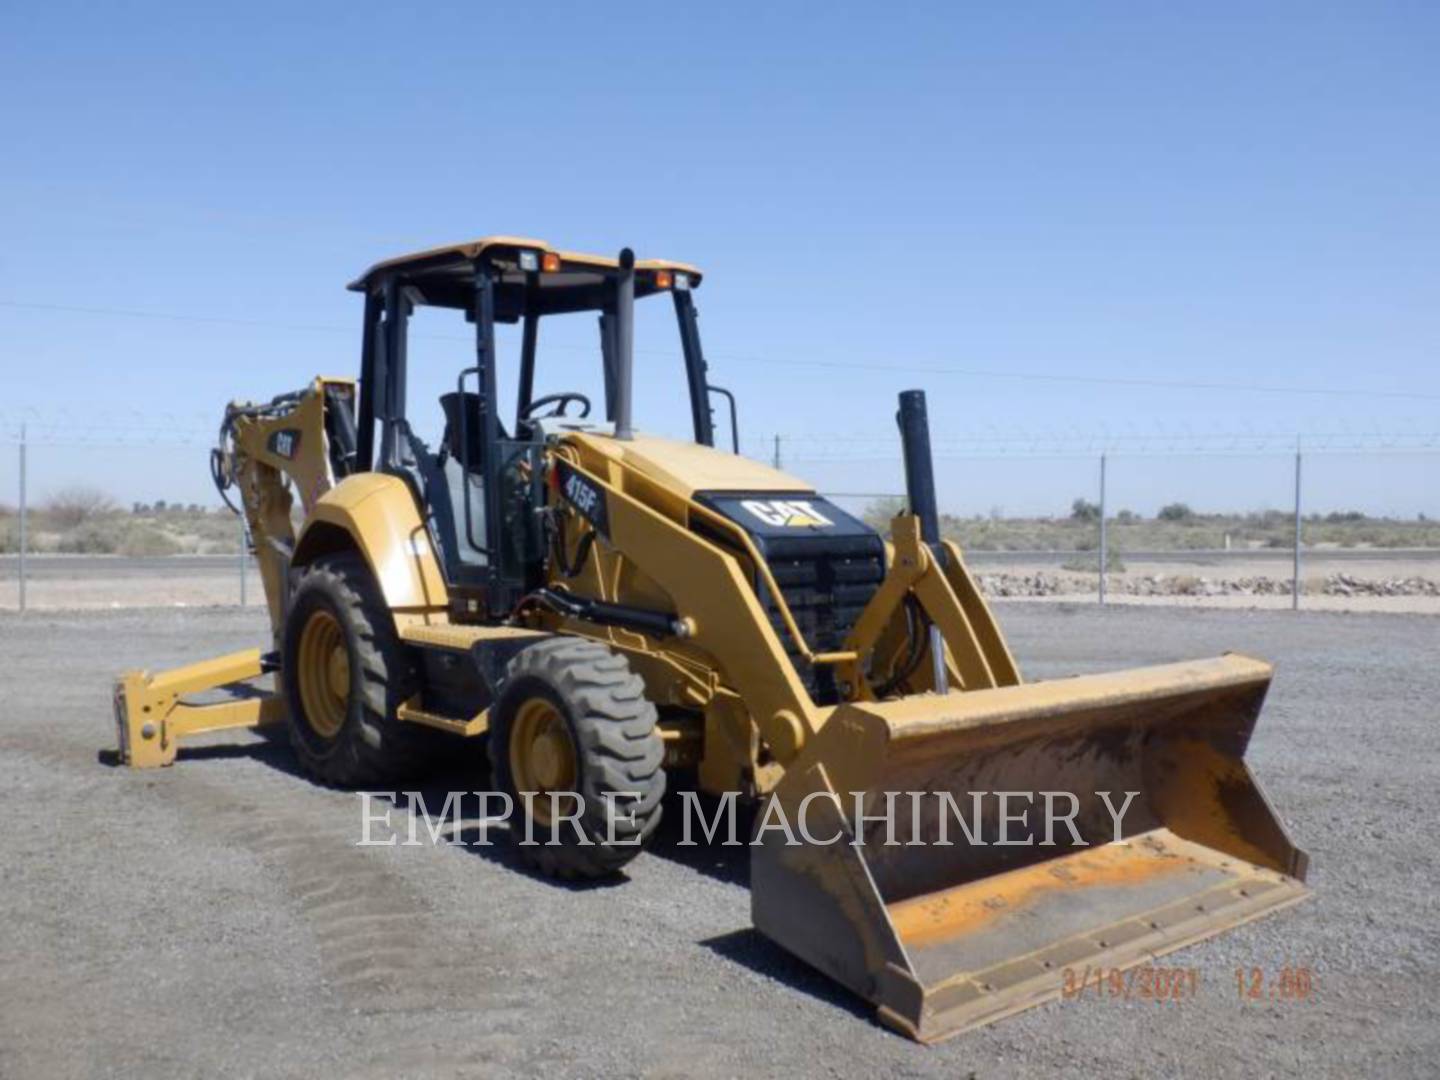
(74, 506)
(146, 540)
(89, 538)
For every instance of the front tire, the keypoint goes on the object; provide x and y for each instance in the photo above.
(345, 673)
(574, 718)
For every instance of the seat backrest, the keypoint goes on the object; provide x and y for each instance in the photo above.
(469, 401)
(452, 403)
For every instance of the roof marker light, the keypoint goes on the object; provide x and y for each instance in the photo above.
(550, 263)
(662, 279)
(682, 282)
(529, 261)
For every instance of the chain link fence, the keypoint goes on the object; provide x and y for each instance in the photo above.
(1333, 524)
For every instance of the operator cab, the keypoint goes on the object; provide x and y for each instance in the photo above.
(480, 485)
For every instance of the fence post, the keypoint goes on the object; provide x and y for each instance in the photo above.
(1295, 575)
(23, 538)
(1104, 545)
(243, 554)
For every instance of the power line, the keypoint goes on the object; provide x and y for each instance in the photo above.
(1238, 438)
(843, 365)
(1097, 380)
(150, 427)
(169, 316)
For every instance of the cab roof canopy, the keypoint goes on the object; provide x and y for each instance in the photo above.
(445, 276)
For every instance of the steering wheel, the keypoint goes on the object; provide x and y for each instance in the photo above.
(559, 401)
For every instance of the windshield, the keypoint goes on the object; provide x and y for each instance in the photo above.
(569, 358)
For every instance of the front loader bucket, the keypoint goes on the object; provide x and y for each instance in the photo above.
(946, 937)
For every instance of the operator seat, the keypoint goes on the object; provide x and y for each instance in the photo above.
(453, 457)
(453, 403)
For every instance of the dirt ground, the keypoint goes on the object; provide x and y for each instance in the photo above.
(217, 919)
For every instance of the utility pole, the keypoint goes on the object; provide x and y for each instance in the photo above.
(1295, 576)
(776, 459)
(1104, 548)
(23, 538)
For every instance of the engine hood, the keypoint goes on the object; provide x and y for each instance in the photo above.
(684, 468)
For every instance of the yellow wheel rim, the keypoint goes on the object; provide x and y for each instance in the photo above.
(542, 754)
(324, 674)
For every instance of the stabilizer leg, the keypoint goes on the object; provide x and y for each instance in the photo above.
(151, 718)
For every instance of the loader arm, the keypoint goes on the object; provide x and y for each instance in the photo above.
(976, 655)
(723, 615)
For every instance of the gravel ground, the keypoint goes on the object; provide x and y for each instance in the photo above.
(216, 918)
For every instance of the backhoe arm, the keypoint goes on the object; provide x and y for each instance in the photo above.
(303, 441)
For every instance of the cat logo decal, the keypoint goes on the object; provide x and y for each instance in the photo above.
(786, 513)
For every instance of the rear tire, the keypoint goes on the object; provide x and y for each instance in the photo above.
(574, 717)
(345, 673)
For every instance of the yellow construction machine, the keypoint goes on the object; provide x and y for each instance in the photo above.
(604, 606)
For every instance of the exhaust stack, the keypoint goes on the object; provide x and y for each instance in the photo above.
(920, 493)
(624, 344)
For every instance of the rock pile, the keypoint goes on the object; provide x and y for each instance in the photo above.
(1346, 585)
(1029, 584)
(1066, 584)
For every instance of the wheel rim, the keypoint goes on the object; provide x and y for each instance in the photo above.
(542, 754)
(324, 675)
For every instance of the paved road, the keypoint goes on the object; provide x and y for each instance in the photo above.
(40, 567)
(217, 919)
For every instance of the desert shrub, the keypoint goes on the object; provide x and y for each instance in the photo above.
(74, 506)
(1084, 510)
(90, 538)
(1198, 540)
(1176, 512)
(878, 514)
(1395, 540)
(143, 540)
(1089, 564)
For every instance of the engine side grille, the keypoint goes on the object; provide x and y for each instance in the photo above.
(826, 591)
(826, 563)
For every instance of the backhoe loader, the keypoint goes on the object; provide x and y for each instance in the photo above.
(605, 606)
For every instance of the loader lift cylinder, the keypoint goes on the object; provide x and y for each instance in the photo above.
(920, 493)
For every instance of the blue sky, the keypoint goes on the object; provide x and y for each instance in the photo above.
(882, 197)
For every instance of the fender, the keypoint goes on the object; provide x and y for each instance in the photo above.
(375, 514)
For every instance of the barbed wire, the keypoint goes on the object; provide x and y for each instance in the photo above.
(129, 427)
(1158, 444)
